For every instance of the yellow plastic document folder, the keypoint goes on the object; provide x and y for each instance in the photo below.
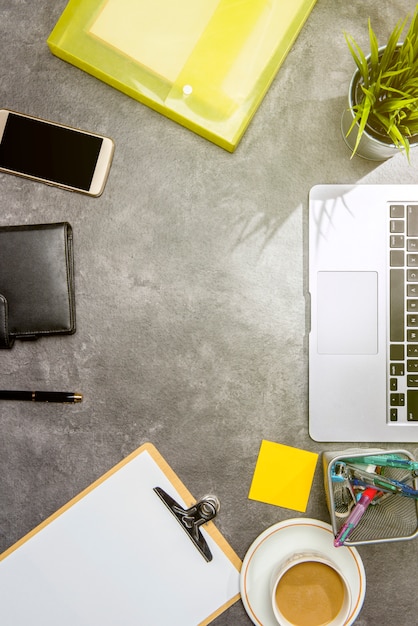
(116, 554)
(206, 64)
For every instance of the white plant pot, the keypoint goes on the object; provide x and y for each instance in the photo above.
(373, 146)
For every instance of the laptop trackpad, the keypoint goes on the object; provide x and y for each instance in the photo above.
(347, 312)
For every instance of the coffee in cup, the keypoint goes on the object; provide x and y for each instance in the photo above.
(310, 590)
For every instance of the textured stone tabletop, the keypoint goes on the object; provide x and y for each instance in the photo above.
(191, 277)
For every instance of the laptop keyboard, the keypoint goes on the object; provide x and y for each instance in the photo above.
(403, 278)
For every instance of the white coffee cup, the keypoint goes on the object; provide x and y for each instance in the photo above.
(309, 589)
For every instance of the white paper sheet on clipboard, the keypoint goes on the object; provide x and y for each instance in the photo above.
(116, 555)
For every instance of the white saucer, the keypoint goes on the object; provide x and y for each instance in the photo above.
(283, 539)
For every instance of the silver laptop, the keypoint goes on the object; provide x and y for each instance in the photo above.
(363, 284)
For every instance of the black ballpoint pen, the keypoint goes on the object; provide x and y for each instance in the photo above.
(42, 396)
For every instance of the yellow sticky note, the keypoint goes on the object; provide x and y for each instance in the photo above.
(283, 476)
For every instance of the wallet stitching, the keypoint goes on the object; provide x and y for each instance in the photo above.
(70, 272)
(5, 321)
(3, 299)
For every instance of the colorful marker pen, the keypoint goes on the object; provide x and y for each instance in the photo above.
(355, 516)
(372, 479)
(390, 460)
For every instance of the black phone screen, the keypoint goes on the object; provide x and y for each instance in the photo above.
(52, 153)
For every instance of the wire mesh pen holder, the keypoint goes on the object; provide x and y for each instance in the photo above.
(393, 517)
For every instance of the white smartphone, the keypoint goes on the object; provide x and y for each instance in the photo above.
(54, 154)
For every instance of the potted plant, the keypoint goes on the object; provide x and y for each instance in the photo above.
(382, 117)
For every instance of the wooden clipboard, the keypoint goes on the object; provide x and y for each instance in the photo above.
(115, 554)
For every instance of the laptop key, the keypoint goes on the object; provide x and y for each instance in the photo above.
(397, 306)
(412, 216)
(397, 352)
(396, 210)
(412, 276)
(412, 305)
(412, 381)
(397, 369)
(412, 410)
(397, 258)
(397, 399)
(397, 226)
(398, 241)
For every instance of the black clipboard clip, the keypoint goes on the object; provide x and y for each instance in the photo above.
(191, 519)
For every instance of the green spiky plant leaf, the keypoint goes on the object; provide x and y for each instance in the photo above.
(388, 101)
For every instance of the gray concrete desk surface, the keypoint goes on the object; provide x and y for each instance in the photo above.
(190, 283)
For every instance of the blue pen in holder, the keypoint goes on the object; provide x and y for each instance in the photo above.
(392, 516)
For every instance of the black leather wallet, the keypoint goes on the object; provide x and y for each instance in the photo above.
(37, 296)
